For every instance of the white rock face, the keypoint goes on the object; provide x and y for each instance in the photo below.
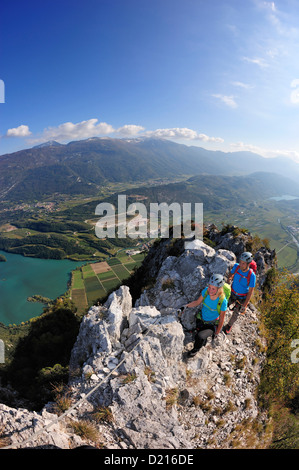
(119, 306)
(21, 424)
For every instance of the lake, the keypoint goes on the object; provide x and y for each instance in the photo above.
(22, 277)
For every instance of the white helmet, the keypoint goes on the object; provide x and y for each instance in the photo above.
(246, 256)
(216, 280)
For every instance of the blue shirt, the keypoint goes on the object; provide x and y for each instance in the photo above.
(209, 310)
(240, 283)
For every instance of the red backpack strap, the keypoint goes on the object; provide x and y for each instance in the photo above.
(236, 270)
(249, 276)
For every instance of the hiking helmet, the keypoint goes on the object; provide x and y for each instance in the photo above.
(246, 256)
(216, 280)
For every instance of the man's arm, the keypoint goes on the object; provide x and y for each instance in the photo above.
(247, 300)
(221, 321)
(231, 275)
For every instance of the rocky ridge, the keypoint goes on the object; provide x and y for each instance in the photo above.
(135, 354)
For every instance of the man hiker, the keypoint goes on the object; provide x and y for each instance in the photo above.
(244, 280)
(209, 320)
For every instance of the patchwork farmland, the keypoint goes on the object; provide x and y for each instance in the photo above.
(94, 281)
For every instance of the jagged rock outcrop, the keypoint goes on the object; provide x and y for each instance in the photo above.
(233, 239)
(181, 279)
(18, 425)
(136, 392)
(135, 356)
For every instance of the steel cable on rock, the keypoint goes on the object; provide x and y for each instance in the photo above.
(82, 399)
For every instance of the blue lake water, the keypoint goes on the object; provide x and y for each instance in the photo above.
(22, 277)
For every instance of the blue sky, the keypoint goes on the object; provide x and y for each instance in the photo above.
(220, 74)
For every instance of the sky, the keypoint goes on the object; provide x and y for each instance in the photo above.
(219, 74)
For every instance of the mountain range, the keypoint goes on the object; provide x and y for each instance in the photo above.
(215, 191)
(83, 167)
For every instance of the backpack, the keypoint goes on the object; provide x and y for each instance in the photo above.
(253, 266)
(227, 293)
(247, 279)
(248, 275)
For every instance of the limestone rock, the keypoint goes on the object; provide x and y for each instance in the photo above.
(133, 360)
(119, 305)
(21, 424)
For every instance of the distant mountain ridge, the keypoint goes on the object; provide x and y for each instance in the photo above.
(216, 191)
(50, 143)
(81, 167)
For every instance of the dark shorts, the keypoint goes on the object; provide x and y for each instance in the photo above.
(235, 298)
(203, 331)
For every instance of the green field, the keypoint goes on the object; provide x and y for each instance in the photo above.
(131, 266)
(113, 261)
(106, 275)
(111, 284)
(79, 298)
(121, 271)
(77, 281)
(266, 220)
(87, 287)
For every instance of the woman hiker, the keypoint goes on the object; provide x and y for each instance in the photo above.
(244, 280)
(209, 320)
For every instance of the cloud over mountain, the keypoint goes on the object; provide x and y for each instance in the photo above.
(69, 131)
(182, 133)
(21, 131)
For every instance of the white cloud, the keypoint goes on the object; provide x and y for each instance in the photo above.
(274, 52)
(257, 61)
(84, 130)
(182, 133)
(233, 28)
(267, 6)
(129, 130)
(69, 131)
(241, 146)
(295, 93)
(246, 86)
(91, 128)
(267, 153)
(228, 100)
(270, 6)
(21, 131)
(280, 20)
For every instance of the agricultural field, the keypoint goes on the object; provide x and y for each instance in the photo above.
(92, 282)
(268, 221)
